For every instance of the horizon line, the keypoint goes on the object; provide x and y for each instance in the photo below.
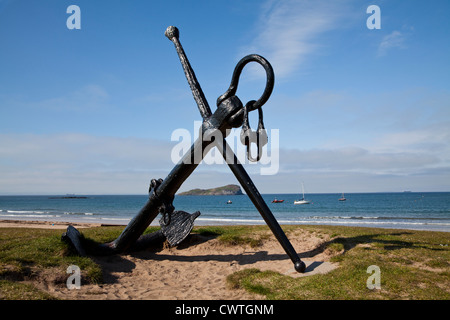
(177, 194)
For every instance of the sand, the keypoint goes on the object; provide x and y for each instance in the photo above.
(44, 224)
(196, 269)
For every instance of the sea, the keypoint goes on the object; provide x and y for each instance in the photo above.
(405, 210)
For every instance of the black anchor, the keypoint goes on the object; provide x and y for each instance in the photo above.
(230, 113)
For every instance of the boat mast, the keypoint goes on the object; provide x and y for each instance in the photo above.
(303, 191)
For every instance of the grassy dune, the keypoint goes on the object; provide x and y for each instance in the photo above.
(413, 264)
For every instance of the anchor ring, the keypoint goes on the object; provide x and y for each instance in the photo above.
(270, 80)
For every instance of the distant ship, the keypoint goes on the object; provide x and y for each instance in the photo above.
(69, 196)
(342, 198)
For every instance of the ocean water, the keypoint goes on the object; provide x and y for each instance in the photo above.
(410, 210)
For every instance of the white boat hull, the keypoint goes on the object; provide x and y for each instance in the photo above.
(301, 202)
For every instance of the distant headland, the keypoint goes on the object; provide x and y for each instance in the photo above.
(228, 190)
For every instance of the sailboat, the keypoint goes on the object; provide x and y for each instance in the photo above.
(302, 201)
(342, 198)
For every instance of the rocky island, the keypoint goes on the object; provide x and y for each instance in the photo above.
(228, 190)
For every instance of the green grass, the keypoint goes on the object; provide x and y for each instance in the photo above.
(413, 264)
(236, 235)
(25, 254)
(10, 290)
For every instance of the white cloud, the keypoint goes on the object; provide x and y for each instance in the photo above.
(288, 30)
(86, 164)
(88, 97)
(395, 39)
(354, 159)
(80, 163)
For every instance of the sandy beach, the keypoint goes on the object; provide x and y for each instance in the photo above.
(45, 224)
(196, 269)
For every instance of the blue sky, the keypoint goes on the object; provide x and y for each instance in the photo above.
(92, 111)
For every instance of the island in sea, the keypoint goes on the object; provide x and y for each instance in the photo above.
(228, 190)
